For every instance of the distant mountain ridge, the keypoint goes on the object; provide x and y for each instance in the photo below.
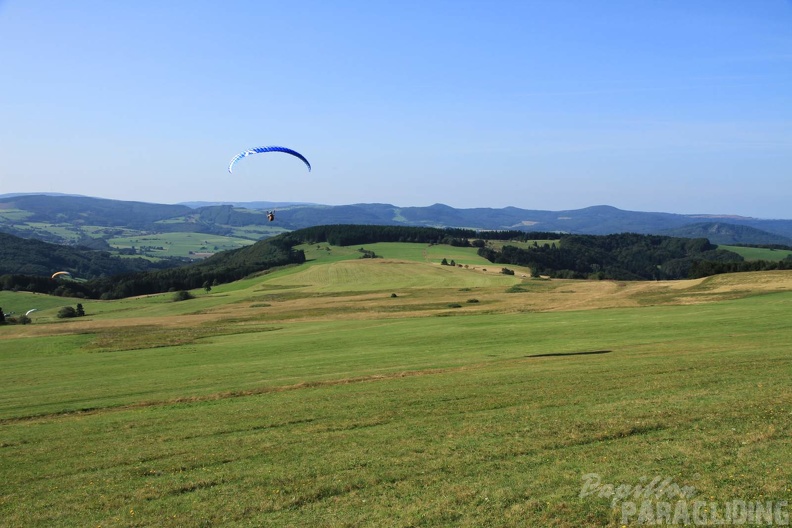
(242, 205)
(19, 212)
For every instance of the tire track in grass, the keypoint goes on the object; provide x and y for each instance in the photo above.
(237, 394)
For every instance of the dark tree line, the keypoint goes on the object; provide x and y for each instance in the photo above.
(350, 235)
(705, 268)
(624, 256)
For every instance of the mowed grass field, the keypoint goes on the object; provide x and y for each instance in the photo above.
(394, 392)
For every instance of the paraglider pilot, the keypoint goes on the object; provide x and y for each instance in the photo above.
(270, 215)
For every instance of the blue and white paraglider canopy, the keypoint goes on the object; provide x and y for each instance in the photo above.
(259, 150)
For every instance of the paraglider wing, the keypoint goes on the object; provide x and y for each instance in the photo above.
(59, 273)
(31, 311)
(259, 150)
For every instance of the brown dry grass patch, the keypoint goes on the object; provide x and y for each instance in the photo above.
(532, 296)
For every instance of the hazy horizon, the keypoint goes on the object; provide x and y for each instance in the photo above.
(199, 203)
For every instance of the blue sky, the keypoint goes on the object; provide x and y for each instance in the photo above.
(652, 105)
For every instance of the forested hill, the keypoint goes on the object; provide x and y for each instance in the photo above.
(34, 257)
(92, 211)
(626, 256)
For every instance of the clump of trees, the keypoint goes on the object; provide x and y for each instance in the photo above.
(182, 295)
(68, 311)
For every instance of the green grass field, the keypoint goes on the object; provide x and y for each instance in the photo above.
(753, 253)
(12, 216)
(157, 245)
(310, 396)
(179, 244)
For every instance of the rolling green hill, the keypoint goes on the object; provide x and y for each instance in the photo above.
(91, 211)
(620, 257)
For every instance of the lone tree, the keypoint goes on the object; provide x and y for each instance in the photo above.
(80, 311)
(2, 316)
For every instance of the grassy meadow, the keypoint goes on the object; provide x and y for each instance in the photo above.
(178, 244)
(394, 392)
(756, 253)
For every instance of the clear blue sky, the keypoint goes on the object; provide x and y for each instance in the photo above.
(651, 105)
